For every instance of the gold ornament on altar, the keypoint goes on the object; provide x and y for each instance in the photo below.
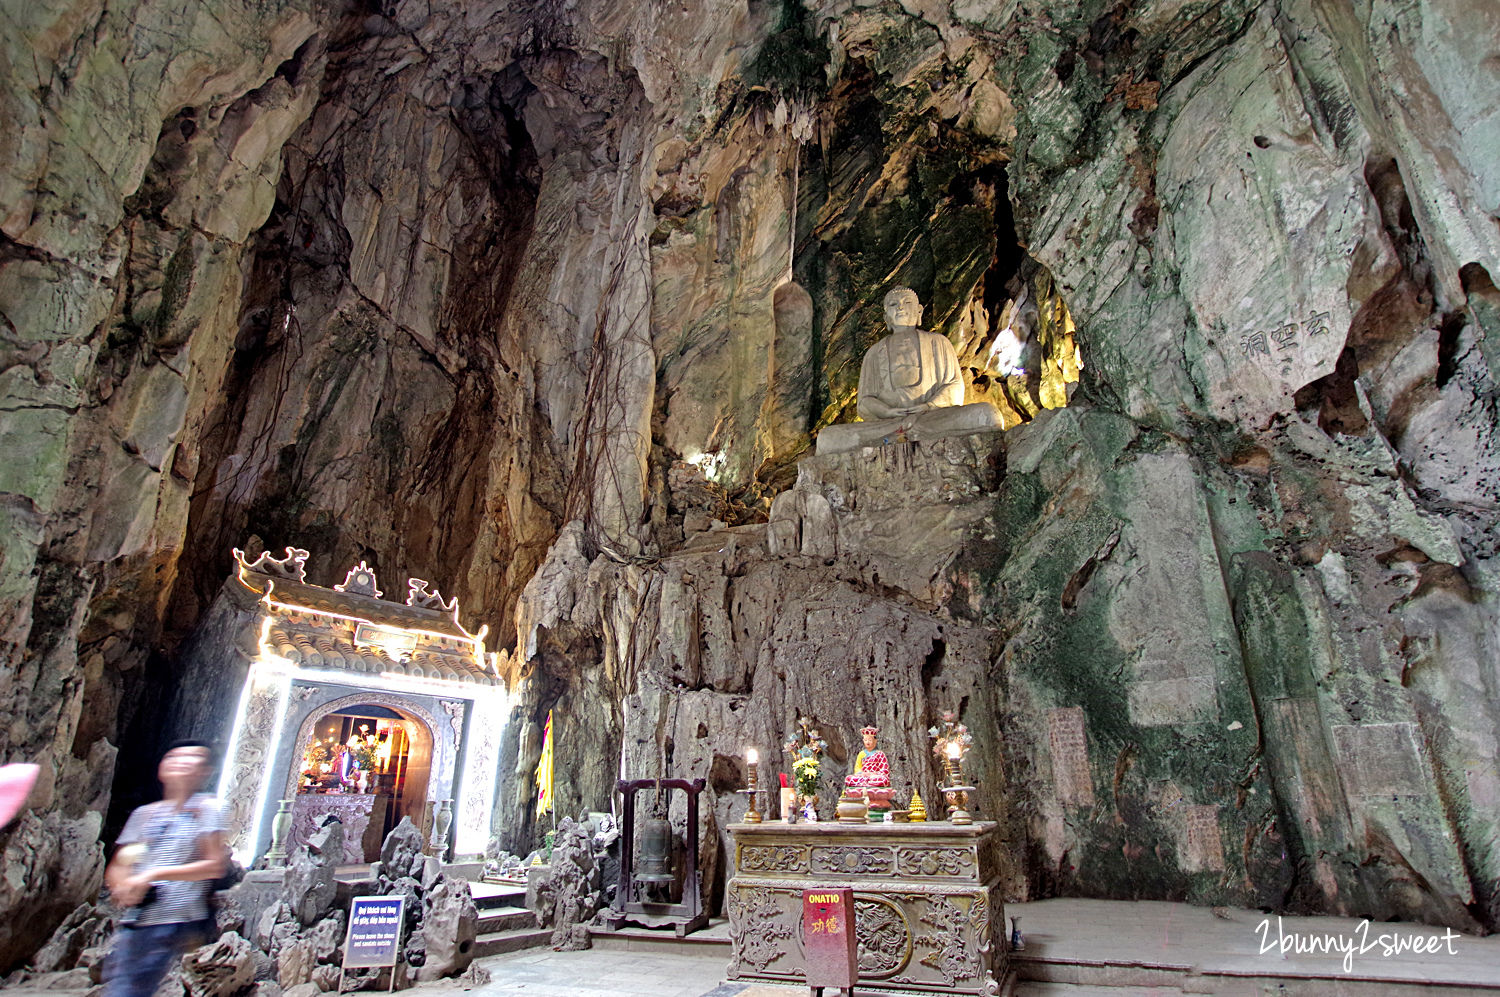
(916, 810)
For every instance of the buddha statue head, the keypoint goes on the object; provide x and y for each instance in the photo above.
(903, 309)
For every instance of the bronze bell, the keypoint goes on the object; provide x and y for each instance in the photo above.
(653, 861)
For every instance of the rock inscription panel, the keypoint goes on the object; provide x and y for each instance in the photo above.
(1380, 760)
(1070, 756)
(1204, 851)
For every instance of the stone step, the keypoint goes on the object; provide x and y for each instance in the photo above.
(1027, 988)
(490, 895)
(1103, 978)
(511, 940)
(492, 919)
(712, 940)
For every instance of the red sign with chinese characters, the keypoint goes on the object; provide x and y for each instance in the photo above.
(828, 938)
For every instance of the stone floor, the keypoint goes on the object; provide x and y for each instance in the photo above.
(599, 973)
(1075, 948)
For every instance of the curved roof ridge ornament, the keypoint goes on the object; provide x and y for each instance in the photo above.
(292, 567)
(419, 596)
(360, 581)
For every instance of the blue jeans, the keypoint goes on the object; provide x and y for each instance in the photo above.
(141, 956)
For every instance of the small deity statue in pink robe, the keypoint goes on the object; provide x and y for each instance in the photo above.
(872, 772)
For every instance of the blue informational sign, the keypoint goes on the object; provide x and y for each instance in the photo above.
(374, 937)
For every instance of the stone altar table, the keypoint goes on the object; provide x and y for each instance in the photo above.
(363, 817)
(928, 912)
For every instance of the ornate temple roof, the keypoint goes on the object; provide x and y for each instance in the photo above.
(349, 627)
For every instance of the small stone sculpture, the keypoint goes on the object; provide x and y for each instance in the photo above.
(220, 969)
(910, 387)
(573, 888)
(450, 923)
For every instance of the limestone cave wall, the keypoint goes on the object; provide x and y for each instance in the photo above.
(497, 294)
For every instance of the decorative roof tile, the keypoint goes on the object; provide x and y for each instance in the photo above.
(350, 628)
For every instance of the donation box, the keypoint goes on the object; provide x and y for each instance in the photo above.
(828, 938)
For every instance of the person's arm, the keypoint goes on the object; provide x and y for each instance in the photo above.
(126, 888)
(873, 409)
(869, 406)
(211, 863)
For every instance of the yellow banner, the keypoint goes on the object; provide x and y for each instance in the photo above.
(544, 772)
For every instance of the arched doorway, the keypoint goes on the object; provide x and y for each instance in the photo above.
(366, 747)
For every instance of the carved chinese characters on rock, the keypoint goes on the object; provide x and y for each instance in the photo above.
(1286, 346)
(1205, 847)
(1070, 756)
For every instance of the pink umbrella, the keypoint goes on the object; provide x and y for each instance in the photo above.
(15, 785)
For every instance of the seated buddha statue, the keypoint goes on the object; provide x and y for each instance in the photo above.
(910, 387)
(872, 772)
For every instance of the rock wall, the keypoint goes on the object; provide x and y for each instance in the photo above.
(1211, 586)
(452, 289)
(141, 152)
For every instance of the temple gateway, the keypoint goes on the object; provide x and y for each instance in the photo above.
(356, 706)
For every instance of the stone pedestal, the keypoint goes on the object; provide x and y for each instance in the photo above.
(928, 914)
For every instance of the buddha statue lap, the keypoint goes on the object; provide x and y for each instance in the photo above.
(910, 387)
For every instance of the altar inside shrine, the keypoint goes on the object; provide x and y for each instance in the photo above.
(929, 917)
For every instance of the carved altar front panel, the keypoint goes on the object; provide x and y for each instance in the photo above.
(362, 815)
(928, 914)
(471, 831)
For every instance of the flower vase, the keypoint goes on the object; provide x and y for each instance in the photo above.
(441, 823)
(809, 804)
(281, 824)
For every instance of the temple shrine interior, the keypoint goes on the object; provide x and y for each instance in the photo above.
(366, 749)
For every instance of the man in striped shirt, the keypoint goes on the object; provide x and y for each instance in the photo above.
(164, 865)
